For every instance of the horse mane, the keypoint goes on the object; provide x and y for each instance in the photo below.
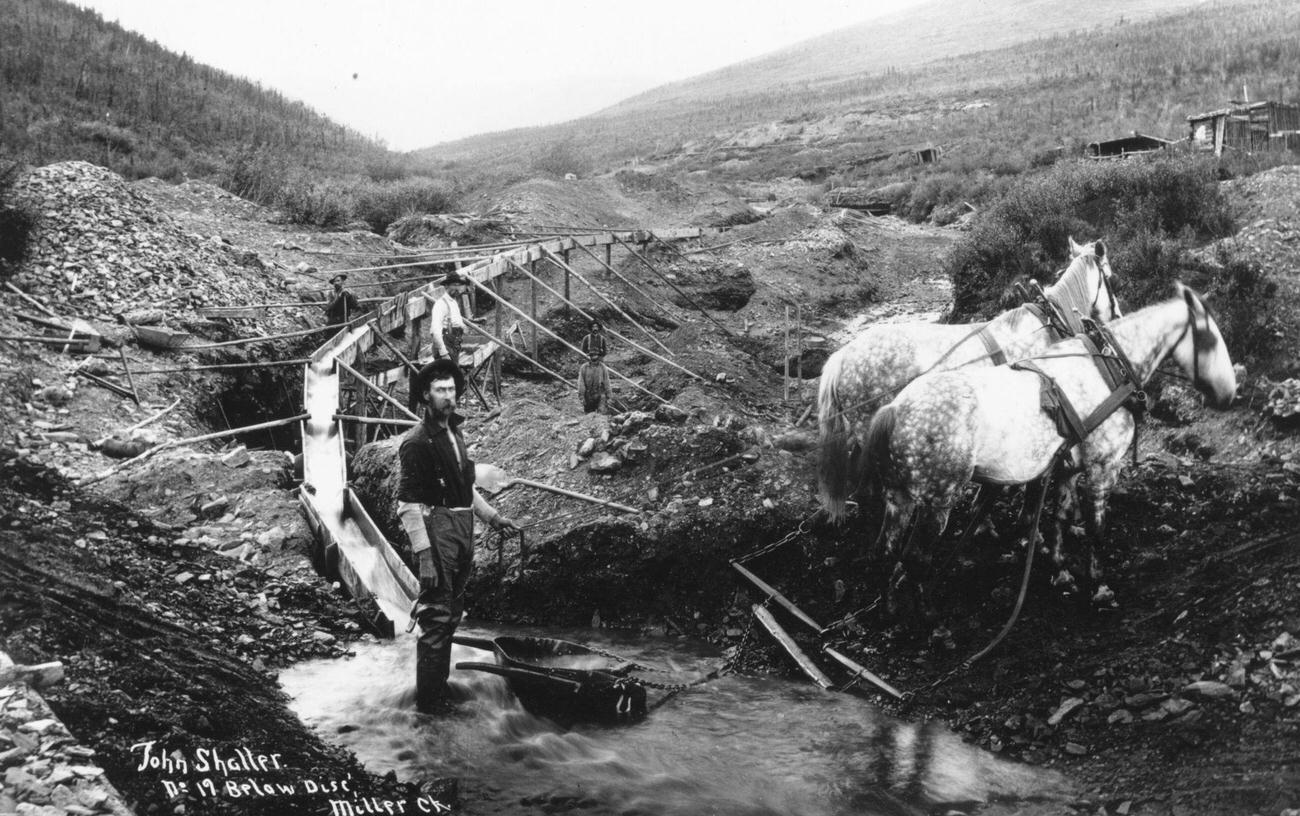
(1070, 290)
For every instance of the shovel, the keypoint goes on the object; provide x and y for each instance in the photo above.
(494, 479)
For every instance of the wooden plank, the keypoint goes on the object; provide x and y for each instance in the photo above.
(676, 288)
(357, 512)
(576, 350)
(130, 379)
(860, 671)
(569, 269)
(519, 353)
(617, 274)
(782, 637)
(374, 389)
(76, 344)
(778, 597)
(613, 331)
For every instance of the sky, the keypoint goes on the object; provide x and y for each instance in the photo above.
(413, 73)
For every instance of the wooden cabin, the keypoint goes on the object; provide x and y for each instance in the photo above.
(1251, 127)
(1136, 144)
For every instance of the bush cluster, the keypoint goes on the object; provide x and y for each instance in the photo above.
(380, 198)
(1151, 214)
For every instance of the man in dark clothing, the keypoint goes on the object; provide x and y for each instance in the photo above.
(343, 305)
(593, 385)
(437, 503)
(594, 341)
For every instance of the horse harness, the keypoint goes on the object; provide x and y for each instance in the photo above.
(1059, 322)
(1116, 370)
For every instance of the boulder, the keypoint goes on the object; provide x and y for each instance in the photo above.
(604, 463)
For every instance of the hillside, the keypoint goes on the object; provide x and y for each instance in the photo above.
(994, 113)
(903, 41)
(80, 87)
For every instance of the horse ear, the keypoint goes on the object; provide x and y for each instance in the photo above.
(1099, 249)
(1193, 302)
(1075, 249)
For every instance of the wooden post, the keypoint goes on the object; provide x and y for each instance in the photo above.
(574, 348)
(612, 305)
(785, 382)
(135, 395)
(367, 384)
(798, 360)
(502, 344)
(629, 283)
(612, 331)
(565, 267)
(675, 287)
(609, 261)
(496, 358)
(532, 305)
(416, 329)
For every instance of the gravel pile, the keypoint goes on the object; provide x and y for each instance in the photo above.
(103, 248)
(46, 770)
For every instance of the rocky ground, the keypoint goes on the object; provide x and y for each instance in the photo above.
(173, 590)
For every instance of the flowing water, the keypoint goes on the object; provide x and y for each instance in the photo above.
(733, 745)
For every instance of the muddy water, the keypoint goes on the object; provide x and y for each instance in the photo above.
(730, 746)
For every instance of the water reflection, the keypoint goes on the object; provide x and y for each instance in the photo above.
(732, 746)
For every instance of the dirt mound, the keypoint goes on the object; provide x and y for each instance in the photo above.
(103, 248)
(719, 285)
(442, 230)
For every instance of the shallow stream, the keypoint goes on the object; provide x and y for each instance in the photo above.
(734, 745)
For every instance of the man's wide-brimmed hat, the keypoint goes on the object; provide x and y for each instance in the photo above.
(454, 279)
(437, 370)
(339, 278)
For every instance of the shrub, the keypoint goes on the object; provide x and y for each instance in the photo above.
(258, 174)
(559, 159)
(1149, 213)
(382, 204)
(320, 204)
(106, 135)
(17, 222)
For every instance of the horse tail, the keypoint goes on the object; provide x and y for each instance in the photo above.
(875, 451)
(835, 458)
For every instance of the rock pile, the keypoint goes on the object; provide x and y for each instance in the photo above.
(46, 770)
(103, 248)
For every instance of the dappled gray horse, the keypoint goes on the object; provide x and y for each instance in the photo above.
(873, 366)
(989, 425)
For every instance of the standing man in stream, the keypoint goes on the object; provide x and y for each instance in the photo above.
(437, 503)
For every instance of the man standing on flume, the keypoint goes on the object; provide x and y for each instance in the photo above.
(437, 503)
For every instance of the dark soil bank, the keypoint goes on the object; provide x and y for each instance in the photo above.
(171, 646)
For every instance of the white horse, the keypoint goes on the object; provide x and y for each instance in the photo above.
(877, 363)
(988, 425)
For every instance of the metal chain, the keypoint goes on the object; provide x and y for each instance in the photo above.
(801, 529)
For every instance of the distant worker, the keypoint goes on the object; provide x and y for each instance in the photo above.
(437, 502)
(446, 324)
(593, 385)
(594, 342)
(343, 305)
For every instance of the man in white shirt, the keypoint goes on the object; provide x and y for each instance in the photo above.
(446, 325)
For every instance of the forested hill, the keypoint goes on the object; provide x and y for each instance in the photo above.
(903, 41)
(79, 87)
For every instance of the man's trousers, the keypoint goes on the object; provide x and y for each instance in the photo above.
(438, 610)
